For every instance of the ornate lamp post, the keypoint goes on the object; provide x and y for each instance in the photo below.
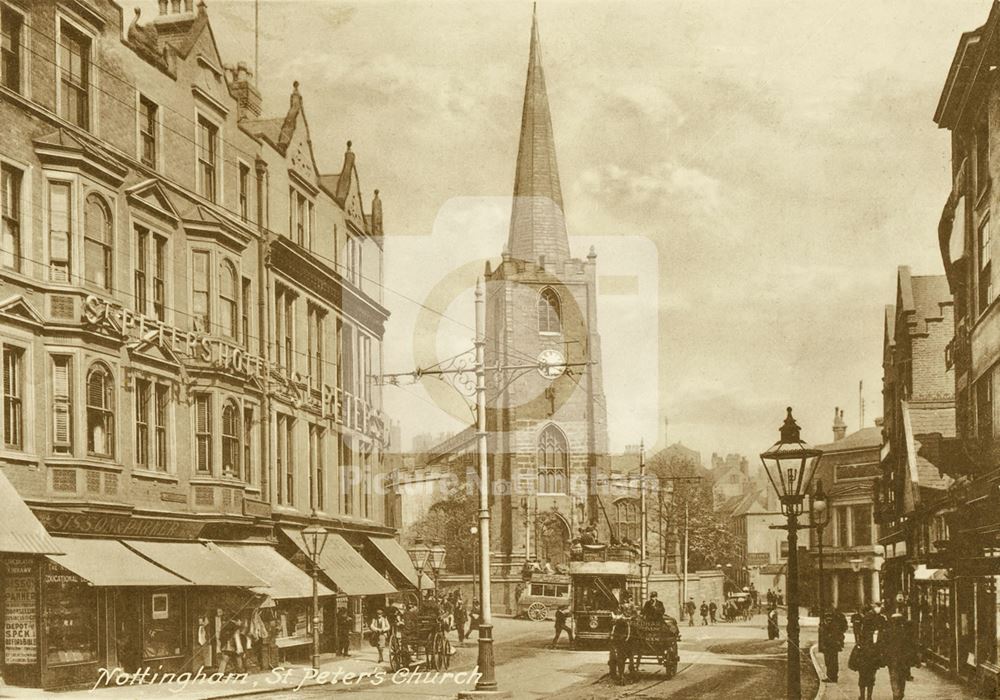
(419, 553)
(820, 518)
(314, 538)
(436, 560)
(790, 464)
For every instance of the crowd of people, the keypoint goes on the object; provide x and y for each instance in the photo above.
(450, 609)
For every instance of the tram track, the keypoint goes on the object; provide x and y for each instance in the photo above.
(637, 692)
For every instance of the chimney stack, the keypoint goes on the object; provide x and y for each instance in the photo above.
(177, 7)
(248, 100)
(839, 427)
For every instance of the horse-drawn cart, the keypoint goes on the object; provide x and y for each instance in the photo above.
(421, 639)
(634, 640)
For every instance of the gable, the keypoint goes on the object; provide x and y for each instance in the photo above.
(299, 152)
(353, 206)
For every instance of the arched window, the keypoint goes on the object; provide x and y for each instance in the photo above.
(100, 412)
(627, 519)
(548, 312)
(227, 299)
(97, 235)
(553, 461)
(231, 426)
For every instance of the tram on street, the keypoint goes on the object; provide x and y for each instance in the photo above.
(603, 578)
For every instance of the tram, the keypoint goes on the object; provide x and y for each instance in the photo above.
(603, 578)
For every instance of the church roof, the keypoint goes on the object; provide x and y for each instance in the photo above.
(537, 225)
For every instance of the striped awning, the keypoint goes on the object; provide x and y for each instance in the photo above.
(110, 563)
(284, 579)
(20, 530)
(201, 563)
(344, 566)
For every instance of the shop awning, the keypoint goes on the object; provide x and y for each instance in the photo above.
(345, 567)
(110, 563)
(922, 573)
(284, 579)
(20, 531)
(202, 563)
(400, 560)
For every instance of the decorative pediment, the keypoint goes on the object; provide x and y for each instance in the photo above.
(65, 149)
(150, 197)
(353, 206)
(17, 308)
(151, 350)
(299, 153)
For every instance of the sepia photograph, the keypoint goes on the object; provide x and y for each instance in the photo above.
(472, 349)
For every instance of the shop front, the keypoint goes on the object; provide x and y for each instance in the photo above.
(934, 594)
(360, 587)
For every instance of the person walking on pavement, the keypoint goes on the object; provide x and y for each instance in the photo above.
(899, 653)
(461, 618)
(345, 622)
(772, 623)
(865, 657)
(704, 612)
(831, 642)
(712, 607)
(690, 607)
(652, 609)
(562, 615)
(380, 631)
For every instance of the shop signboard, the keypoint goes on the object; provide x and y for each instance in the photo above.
(20, 614)
(758, 558)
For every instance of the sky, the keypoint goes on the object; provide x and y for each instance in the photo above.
(750, 174)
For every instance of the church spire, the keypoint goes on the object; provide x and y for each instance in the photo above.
(537, 226)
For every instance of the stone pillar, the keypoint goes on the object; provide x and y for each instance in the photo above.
(834, 588)
(861, 588)
(877, 586)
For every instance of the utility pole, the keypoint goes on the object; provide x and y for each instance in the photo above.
(643, 563)
(686, 514)
(487, 679)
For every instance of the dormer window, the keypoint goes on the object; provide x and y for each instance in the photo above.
(549, 320)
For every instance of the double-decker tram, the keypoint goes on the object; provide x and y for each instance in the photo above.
(603, 578)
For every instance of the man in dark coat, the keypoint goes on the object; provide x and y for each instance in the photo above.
(704, 612)
(899, 653)
(562, 615)
(461, 619)
(772, 623)
(652, 609)
(831, 642)
(712, 607)
(345, 623)
(689, 608)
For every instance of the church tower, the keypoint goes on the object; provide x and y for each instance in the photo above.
(548, 428)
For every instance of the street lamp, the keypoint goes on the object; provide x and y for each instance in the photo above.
(419, 553)
(820, 518)
(314, 538)
(790, 464)
(436, 560)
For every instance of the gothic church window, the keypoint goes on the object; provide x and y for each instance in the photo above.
(553, 461)
(627, 517)
(549, 320)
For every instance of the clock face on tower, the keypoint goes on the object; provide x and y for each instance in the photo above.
(551, 364)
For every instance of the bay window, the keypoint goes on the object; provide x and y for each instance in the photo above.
(231, 429)
(62, 404)
(227, 300)
(203, 433)
(200, 287)
(60, 230)
(97, 242)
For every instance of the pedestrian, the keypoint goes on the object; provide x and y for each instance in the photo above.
(899, 653)
(344, 625)
(689, 608)
(474, 616)
(704, 612)
(831, 642)
(380, 633)
(461, 618)
(772, 623)
(712, 608)
(770, 598)
(652, 609)
(865, 657)
(562, 615)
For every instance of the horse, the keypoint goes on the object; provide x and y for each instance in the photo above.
(621, 650)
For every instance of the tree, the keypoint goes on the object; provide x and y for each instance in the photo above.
(448, 522)
(711, 540)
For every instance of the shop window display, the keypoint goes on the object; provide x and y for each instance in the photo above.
(70, 618)
(162, 625)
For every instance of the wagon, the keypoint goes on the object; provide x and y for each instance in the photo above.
(421, 639)
(635, 640)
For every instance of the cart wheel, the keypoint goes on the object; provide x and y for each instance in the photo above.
(538, 611)
(395, 662)
(437, 652)
(670, 668)
(446, 653)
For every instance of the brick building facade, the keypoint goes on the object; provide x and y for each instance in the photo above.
(191, 322)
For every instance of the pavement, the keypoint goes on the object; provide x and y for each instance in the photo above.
(927, 683)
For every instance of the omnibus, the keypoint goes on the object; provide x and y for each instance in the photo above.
(602, 578)
(543, 595)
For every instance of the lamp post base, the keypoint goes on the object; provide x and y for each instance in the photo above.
(486, 686)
